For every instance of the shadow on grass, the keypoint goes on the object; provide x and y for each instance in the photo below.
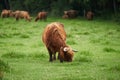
(24, 36)
(83, 33)
(108, 49)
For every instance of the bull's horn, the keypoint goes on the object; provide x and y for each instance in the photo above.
(74, 50)
(65, 49)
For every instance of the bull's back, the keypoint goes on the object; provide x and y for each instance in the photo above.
(42, 14)
(52, 33)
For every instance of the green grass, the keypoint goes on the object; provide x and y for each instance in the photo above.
(97, 42)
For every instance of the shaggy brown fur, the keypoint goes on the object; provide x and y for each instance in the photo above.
(71, 13)
(41, 16)
(89, 15)
(22, 14)
(54, 37)
(5, 13)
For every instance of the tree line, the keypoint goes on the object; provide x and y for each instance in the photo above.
(56, 7)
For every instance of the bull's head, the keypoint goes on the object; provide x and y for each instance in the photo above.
(66, 54)
(65, 12)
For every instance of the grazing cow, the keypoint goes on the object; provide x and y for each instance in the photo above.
(13, 13)
(5, 13)
(54, 38)
(89, 15)
(65, 16)
(71, 13)
(22, 14)
(41, 16)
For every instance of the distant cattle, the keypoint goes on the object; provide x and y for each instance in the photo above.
(89, 15)
(5, 13)
(22, 14)
(41, 16)
(54, 38)
(70, 14)
(65, 16)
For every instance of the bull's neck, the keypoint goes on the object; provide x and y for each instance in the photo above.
(63, 44)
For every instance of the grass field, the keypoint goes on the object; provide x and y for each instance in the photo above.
(97, 42)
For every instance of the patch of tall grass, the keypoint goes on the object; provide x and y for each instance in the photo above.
(109, 49)
(84, 56)
(13, 54)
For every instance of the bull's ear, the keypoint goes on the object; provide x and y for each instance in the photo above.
(74, 50)
(65, 49)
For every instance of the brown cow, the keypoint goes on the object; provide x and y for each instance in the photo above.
(54, 37)
(71, 13)
(22, 14)
(65, 16)
(5, 13)
(89, 15)
(41, 16)
(14, 13)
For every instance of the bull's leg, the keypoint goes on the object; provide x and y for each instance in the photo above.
(60, 57)
(50, 54)
(25, 18)
(50, 59)
(54, 57)
(61, 60)
(45, 19)
(17, 17)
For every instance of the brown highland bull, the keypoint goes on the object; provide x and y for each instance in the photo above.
(54, 37)
(41, 16)
(5, 13)
(65, 16)
(89, 15)
(70, 14)
(22, 14)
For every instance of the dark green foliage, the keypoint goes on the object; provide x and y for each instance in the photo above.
(56, 7)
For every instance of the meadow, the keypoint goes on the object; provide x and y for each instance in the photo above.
(97, 42)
